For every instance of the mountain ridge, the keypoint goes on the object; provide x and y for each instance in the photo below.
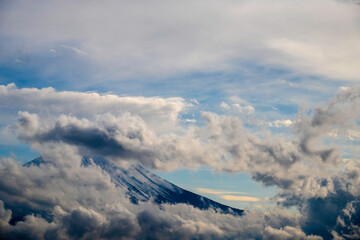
(142, 185)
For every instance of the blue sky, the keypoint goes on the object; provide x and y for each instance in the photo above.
(258, 62)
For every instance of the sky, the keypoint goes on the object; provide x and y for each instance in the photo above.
(254, 104)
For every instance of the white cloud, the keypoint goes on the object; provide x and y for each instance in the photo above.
(287, 233)
(194, 101)
(351, 134)
(237, 108)
(343, 88)
(240, 198)
(224, 106)
(322, 58)
(192, 36)
(216, 192)
(190, 120)
(280, 123)
(75, 50)
(249, 110)
(48, 101)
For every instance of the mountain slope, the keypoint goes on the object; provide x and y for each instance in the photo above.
(142, 185)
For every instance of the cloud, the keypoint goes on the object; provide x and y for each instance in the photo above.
(237, 108)
(287, 233)
(64, 200)
(341, 112)
(75, 50)
(246, 109)
(110, 136)
(280, 123)
(351, 134)
(224, 106)
(240, 198)
(172, 42)
(249, 109)
(223, 143)
(48, 101)
(216, 192)
(224, 195)
(120, 137)
(310, 175)
(190, 120)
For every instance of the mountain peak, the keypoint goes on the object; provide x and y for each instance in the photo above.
(142, 185)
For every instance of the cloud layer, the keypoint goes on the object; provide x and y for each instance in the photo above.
(49, 102)
(310, 173)
(128, 39)
(63, 200)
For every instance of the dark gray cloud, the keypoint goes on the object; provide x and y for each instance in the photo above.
(99, 141)
(341, 113)
(322, 215)
(125, 139)
(269, 179)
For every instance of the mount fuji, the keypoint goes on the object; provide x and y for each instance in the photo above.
(141, 185)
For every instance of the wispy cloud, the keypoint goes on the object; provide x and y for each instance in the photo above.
(240, 198)
(216, 192)
(226, 195)
(75, 50)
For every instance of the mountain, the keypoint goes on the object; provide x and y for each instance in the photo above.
(142, 185)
